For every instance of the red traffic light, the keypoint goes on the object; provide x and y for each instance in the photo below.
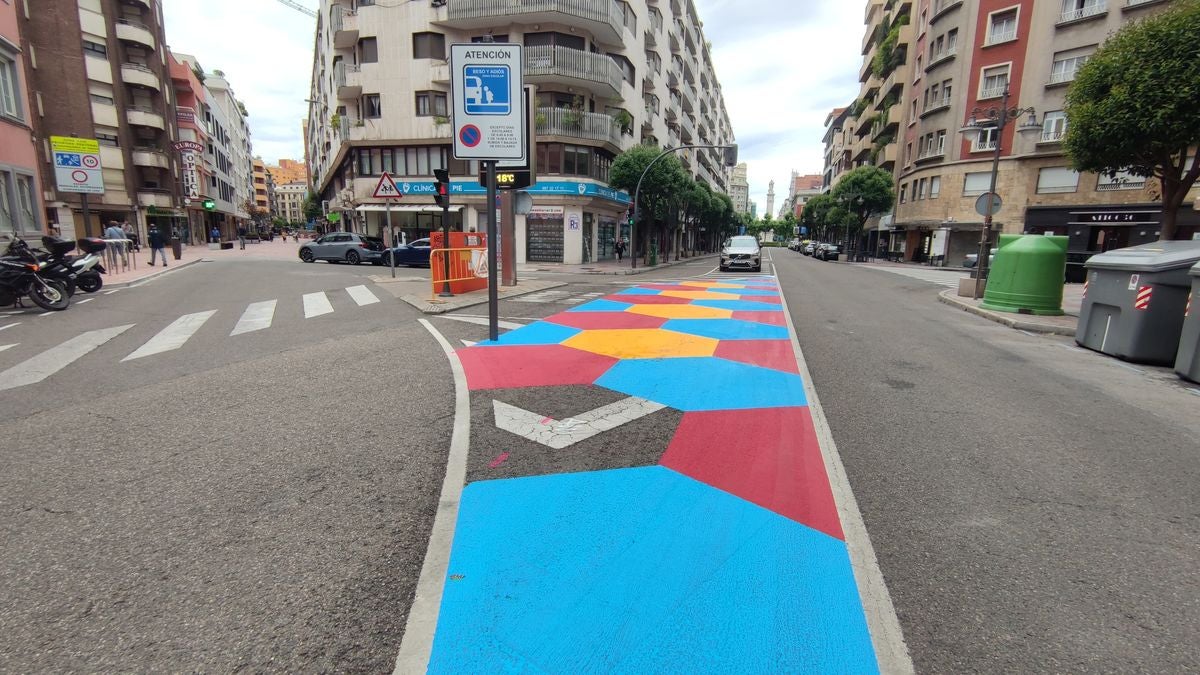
(442, 189)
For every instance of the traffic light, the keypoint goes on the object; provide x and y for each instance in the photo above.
(442, 195)
(731, 154)
(209, 204)
(630, 214)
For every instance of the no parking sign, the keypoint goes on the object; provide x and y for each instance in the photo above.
(488, 111)
(77, 164)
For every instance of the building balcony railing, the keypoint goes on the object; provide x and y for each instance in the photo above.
(151, 157)
(347, 80)
(941, 7)
(1052, 136)
(145, 117)
(992, 92)
(137, 74)
(937, 105)
(156, 197)
(1062, 77)
(1085, 12)
(983, 146)
(1139, 3)
(344, 24)
(997, 37)
(604, 19)
(596, 72)
(941, 57)
(578, 124)
(132, 31)
(1107, 184)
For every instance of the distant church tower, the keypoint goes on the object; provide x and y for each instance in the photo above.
(771, 199)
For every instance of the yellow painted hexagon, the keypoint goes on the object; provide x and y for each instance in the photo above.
(681, 311)
(700, 295)
(642, 343)
(710, 284)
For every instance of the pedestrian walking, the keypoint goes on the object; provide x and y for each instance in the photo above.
(214, 235)
(131, 235)
(157, 245)
(242, 236)
(619, 248)
(116, 234)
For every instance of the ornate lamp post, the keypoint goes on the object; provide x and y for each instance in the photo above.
(981, 120)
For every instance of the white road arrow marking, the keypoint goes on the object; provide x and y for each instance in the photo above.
(560, 434)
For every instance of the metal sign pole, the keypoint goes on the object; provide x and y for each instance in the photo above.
(492, 239)
(446, 292)
(387, 208)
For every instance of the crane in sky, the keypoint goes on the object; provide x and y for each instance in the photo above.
(299, 8)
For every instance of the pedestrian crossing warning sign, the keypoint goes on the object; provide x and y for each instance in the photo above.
(386, 188)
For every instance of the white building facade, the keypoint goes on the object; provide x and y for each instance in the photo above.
(608, 75)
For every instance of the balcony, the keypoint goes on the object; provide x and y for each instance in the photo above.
(992, 92)
(347, 80)
(1071, 16)
(941, 57)
(549, 64)
(156, 197)
(1051, 136)
(943, 7)
(1134, 4)
(137, 74)
(151, 157)
(651, 40)
(936, 106)
(144, 3)
(1061, 77)
(570, 123)
(145, 117)
(1000, 37)
(687, 129)
(344, 24)
(439, 72)
(602, 18)
(132, 31)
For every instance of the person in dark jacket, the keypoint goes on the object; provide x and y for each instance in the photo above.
(157, 245)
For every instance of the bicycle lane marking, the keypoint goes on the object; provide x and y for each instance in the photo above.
(726, 554)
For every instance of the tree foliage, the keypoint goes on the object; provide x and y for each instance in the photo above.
(1133, 105)
(862, 193)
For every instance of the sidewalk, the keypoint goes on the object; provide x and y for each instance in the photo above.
(612, 267)
(140, 270)
(1054, 325)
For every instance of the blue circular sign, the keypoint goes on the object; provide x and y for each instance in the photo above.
(470, 135)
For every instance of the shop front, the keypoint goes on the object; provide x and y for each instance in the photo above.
(409, 222)
(1092, 229)
(544, 234)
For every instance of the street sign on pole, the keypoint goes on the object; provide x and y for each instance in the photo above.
(386, 188)
(985, 200)
(77, 165)
(488, 117)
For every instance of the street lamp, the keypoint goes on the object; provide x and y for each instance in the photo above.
(730, 149)
(996, 119)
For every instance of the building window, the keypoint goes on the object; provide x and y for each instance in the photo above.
(10, 87)
(921, 185)
(371, 107)
(626, 66)
(1002, 26)
(1121, 180)
(95, 49)
(986, 140)
(1054, 126)
(431, 103)
(368, 50)
(1055, 179)
(994, 82)
(1081, 9)
(17, 213)
(552, 39)
(1066, 64)
(904, 193)
(494, 38)
(941, 142)
(429, 46)
(976, 183)
(935, 187)
(107, 139)
(630, 17)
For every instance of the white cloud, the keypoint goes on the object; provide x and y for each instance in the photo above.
(782, 64)
(265, 50)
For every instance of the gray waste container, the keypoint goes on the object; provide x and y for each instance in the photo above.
(1187, 361)
(1134, 300)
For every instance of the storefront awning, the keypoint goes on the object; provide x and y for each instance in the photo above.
(411, 208)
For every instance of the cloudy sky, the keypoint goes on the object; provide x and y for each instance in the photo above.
(783, 65)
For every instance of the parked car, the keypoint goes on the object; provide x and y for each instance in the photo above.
(343, 247)
(741, 252)
(827, 252)
(415, 254)
(809, 248)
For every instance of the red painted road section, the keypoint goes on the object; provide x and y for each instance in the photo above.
(775, 354)
(606, 320)
(771, 318)
(768, 456)
(649, 299)
(511, 367)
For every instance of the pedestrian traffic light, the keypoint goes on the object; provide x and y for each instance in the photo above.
(209, 204)
(630, 216)
(442, 195)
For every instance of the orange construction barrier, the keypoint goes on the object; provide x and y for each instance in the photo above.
(468, 261)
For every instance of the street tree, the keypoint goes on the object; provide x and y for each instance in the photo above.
(1133, 106)
(664, 180)
(863, 192)
(312, 207)
(814, 215)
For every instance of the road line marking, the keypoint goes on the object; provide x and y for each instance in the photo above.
(4, 347)
(173, 336)
(891, 652)
(1129, 367)
(558, 434)
(258, 315)
(483, 321)
(362, 295)
(85, 301)
(48, 313)
(1029, 333)
(115, 290)
(1073, 349)
(1191, 390)
(316, 304)
(49, 362)
(416, 646)
(468, 343)
(10, 325)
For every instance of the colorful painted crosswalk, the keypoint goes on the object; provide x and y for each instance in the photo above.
(725, 556)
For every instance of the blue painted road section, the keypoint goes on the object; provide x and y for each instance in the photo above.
(727, 329)
(545, 577)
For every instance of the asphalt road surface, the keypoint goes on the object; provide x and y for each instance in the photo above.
(1034, 506)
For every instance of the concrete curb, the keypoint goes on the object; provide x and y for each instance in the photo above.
(424, 304)
(626, 271)
(948, 297)
(157, 273)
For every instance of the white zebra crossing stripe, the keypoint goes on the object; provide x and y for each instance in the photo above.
(84, 301)
(256, 317)
(362, 295)
(173, 336)
(52, 360)
(10, 325)
(316, 304)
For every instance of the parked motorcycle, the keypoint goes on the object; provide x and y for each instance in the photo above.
(84, 270)
(19, 278)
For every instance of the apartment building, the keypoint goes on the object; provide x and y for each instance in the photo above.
(739, 189)
(289, 202)
(98, 69)
(262, 186)
(802, 188)
(234, 141)
(288, 171)
(966, 53)
(609, 74)
(22, 210)
(885, 80)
